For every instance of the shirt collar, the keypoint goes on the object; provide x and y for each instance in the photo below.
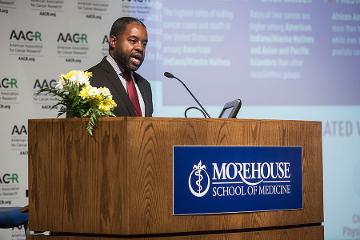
(115, 66)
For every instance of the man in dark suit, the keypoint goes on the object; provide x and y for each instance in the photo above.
(116, 71)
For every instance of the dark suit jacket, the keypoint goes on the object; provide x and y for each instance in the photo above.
(105, 76)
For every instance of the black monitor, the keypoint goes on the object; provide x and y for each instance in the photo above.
(231, 109)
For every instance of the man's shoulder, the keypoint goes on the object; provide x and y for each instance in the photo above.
(100, 73)
(97, 66)
(138, 77)
(100, 66)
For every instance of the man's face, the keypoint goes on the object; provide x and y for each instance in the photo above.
(129, 47)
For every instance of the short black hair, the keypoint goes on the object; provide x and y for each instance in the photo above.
(120, 25)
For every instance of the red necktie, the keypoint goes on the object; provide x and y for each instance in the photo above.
(131, 90)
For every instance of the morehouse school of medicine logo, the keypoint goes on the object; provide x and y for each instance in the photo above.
(199, 180)
(229, 179)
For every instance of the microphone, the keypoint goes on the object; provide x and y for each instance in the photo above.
(170, 75)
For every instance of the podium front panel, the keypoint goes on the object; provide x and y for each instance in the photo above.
(121, 180)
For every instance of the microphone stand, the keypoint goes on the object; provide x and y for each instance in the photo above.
(170, 75)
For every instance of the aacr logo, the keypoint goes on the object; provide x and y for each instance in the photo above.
(44, 84)
(26, 36)
(8, 178)
(19, 130)
(72, 38)
(105, 39)
(8, 83)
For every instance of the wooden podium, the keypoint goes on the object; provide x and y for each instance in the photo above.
(119, 183)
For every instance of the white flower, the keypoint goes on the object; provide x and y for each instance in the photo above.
(105, 92)
(60, 83)
(79, 78)
(94, 91)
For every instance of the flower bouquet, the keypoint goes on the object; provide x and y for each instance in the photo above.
(77, 98)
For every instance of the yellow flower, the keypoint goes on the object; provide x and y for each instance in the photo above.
(107, 104)
(69, 74)
(84, 93)
(88, 74)
(110, 102)
(103, 107)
